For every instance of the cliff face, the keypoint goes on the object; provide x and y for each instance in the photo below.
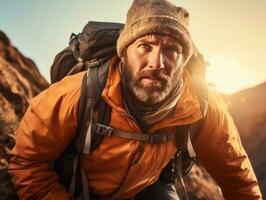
(20, 80)
(248, 108)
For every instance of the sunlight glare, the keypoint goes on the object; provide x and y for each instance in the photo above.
(226, 73)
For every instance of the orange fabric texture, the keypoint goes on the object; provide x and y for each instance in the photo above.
(49, 126)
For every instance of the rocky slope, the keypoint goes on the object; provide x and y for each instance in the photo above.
(20, 80)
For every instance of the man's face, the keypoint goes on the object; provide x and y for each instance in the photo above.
(152, 68)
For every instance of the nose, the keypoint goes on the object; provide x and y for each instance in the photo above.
(156, 59)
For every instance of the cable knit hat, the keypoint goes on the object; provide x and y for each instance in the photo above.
(156, 16)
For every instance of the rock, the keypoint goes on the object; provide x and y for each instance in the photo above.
(200, 185)
(20, 80)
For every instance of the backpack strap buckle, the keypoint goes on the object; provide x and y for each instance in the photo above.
(94, 63)
(103, 130)
(158, 138)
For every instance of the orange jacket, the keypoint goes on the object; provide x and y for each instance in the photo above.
(49, 126)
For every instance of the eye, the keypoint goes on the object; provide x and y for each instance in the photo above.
(145, 47)
(172, 54)
(173, 51)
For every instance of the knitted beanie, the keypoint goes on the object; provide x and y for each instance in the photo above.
(156, 16)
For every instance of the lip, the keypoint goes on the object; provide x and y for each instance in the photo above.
(150, 80)
(149, 77)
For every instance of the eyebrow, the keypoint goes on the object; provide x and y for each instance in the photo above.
(148, 39)
(154, 40)
(174, 44)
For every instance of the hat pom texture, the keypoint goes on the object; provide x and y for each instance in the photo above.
(156, 16)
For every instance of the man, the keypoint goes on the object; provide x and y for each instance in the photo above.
(150, 91)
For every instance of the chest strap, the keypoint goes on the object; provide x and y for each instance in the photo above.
(104, 130)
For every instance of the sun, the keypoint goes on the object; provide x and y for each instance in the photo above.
(226, 73)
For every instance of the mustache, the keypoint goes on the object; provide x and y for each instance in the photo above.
(153, 74)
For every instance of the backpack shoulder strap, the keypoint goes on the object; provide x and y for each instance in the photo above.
(184, 158)
(188, 132)
(92, 85)
(91, 110)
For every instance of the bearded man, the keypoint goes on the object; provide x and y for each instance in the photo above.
(150, 91)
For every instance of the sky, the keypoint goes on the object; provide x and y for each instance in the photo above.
(231, 34)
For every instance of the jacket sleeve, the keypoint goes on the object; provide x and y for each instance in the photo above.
(219, 149)
(44, 132)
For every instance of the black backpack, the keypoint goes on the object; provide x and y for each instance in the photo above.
(91, 51)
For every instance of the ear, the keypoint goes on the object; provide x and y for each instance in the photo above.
(122, 59)
(123, 56)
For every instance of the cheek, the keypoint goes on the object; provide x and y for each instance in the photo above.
(134, 62)
(172, 67)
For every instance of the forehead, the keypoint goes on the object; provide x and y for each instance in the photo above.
(158, 38)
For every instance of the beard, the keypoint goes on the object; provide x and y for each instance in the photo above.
(150, 93)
